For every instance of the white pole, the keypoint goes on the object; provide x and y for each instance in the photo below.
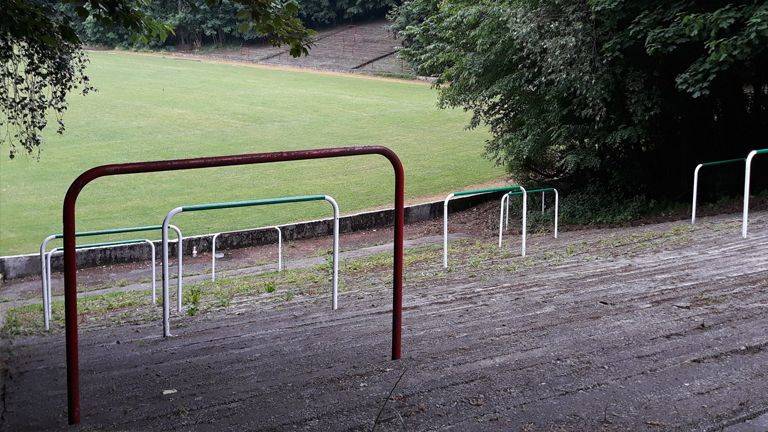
(525, 214)
(335, 251)
(179, 255)
(166, 278)
(695, 192)
(509, 198)
(48, 277)
(542, 202)
(43, 276)
(745, 214)
(213, 257)
(279, 249)
(154, 272)
(504, 198)
(445, 230)
(557, 209)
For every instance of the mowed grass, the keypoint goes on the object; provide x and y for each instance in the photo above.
(150, 107)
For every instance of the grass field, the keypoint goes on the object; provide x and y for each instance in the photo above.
(149, 107)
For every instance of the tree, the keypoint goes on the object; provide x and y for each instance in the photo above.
(196, 22)
(627, 96)
(328, 12)
(42, 60)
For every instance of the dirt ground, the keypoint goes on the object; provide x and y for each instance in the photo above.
(655, 327)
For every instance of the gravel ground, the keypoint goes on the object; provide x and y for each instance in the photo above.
(656, 327)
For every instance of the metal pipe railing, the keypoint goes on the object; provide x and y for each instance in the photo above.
(747, 174)
(69, 223)
(696, 181)
(507, 197)
(543, 191)
(237, 204)
(100, 246)
(279, 251)
(477, 192)
(44, 274)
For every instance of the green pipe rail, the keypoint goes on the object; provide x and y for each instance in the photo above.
(112, 231)
(465, 193)
(238, 204)
(251, 203)
(696, 181)
(542, 190)
(486, 191)
(94, 246)
(44, 247)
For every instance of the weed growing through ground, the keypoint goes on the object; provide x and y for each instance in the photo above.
(270, 287)
(192, 300)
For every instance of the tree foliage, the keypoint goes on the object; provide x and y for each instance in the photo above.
(200, 22)
(328, 12)
(622, 94)
(41, 57)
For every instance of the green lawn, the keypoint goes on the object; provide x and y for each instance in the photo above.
(149, 107)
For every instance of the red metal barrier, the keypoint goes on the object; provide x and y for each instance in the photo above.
(70, 261)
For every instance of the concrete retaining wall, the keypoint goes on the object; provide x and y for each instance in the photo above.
(18, 266)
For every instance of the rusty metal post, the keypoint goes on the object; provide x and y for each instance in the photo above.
(70, 259)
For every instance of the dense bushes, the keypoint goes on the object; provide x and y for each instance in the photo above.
(619, 96)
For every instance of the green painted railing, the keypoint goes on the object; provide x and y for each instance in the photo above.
(530, 191)
(722, 162)
(112, 243)
(488, 190)
(251, 203)
(113, 231)
(762, 151)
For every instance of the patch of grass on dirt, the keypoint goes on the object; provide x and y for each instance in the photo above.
(23, 320)
(192, 300)
(648, 238)
(28, 319)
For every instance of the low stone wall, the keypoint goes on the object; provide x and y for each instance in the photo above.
(18, 266)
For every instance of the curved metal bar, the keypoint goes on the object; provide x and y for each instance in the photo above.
(166, 275)
(48, 297)
(236, 204)
(695, 192)
(468, 193)
(445, 230)
(335, 205)
(524, 193)
(504, 198)
(154, 270)
(99, 246)
(69, 224)
(525, 219)
(45, 275)
(747, 174)
(696, 182)
(542, 190)
(179, 258)
(279, 251)
(213, 256)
